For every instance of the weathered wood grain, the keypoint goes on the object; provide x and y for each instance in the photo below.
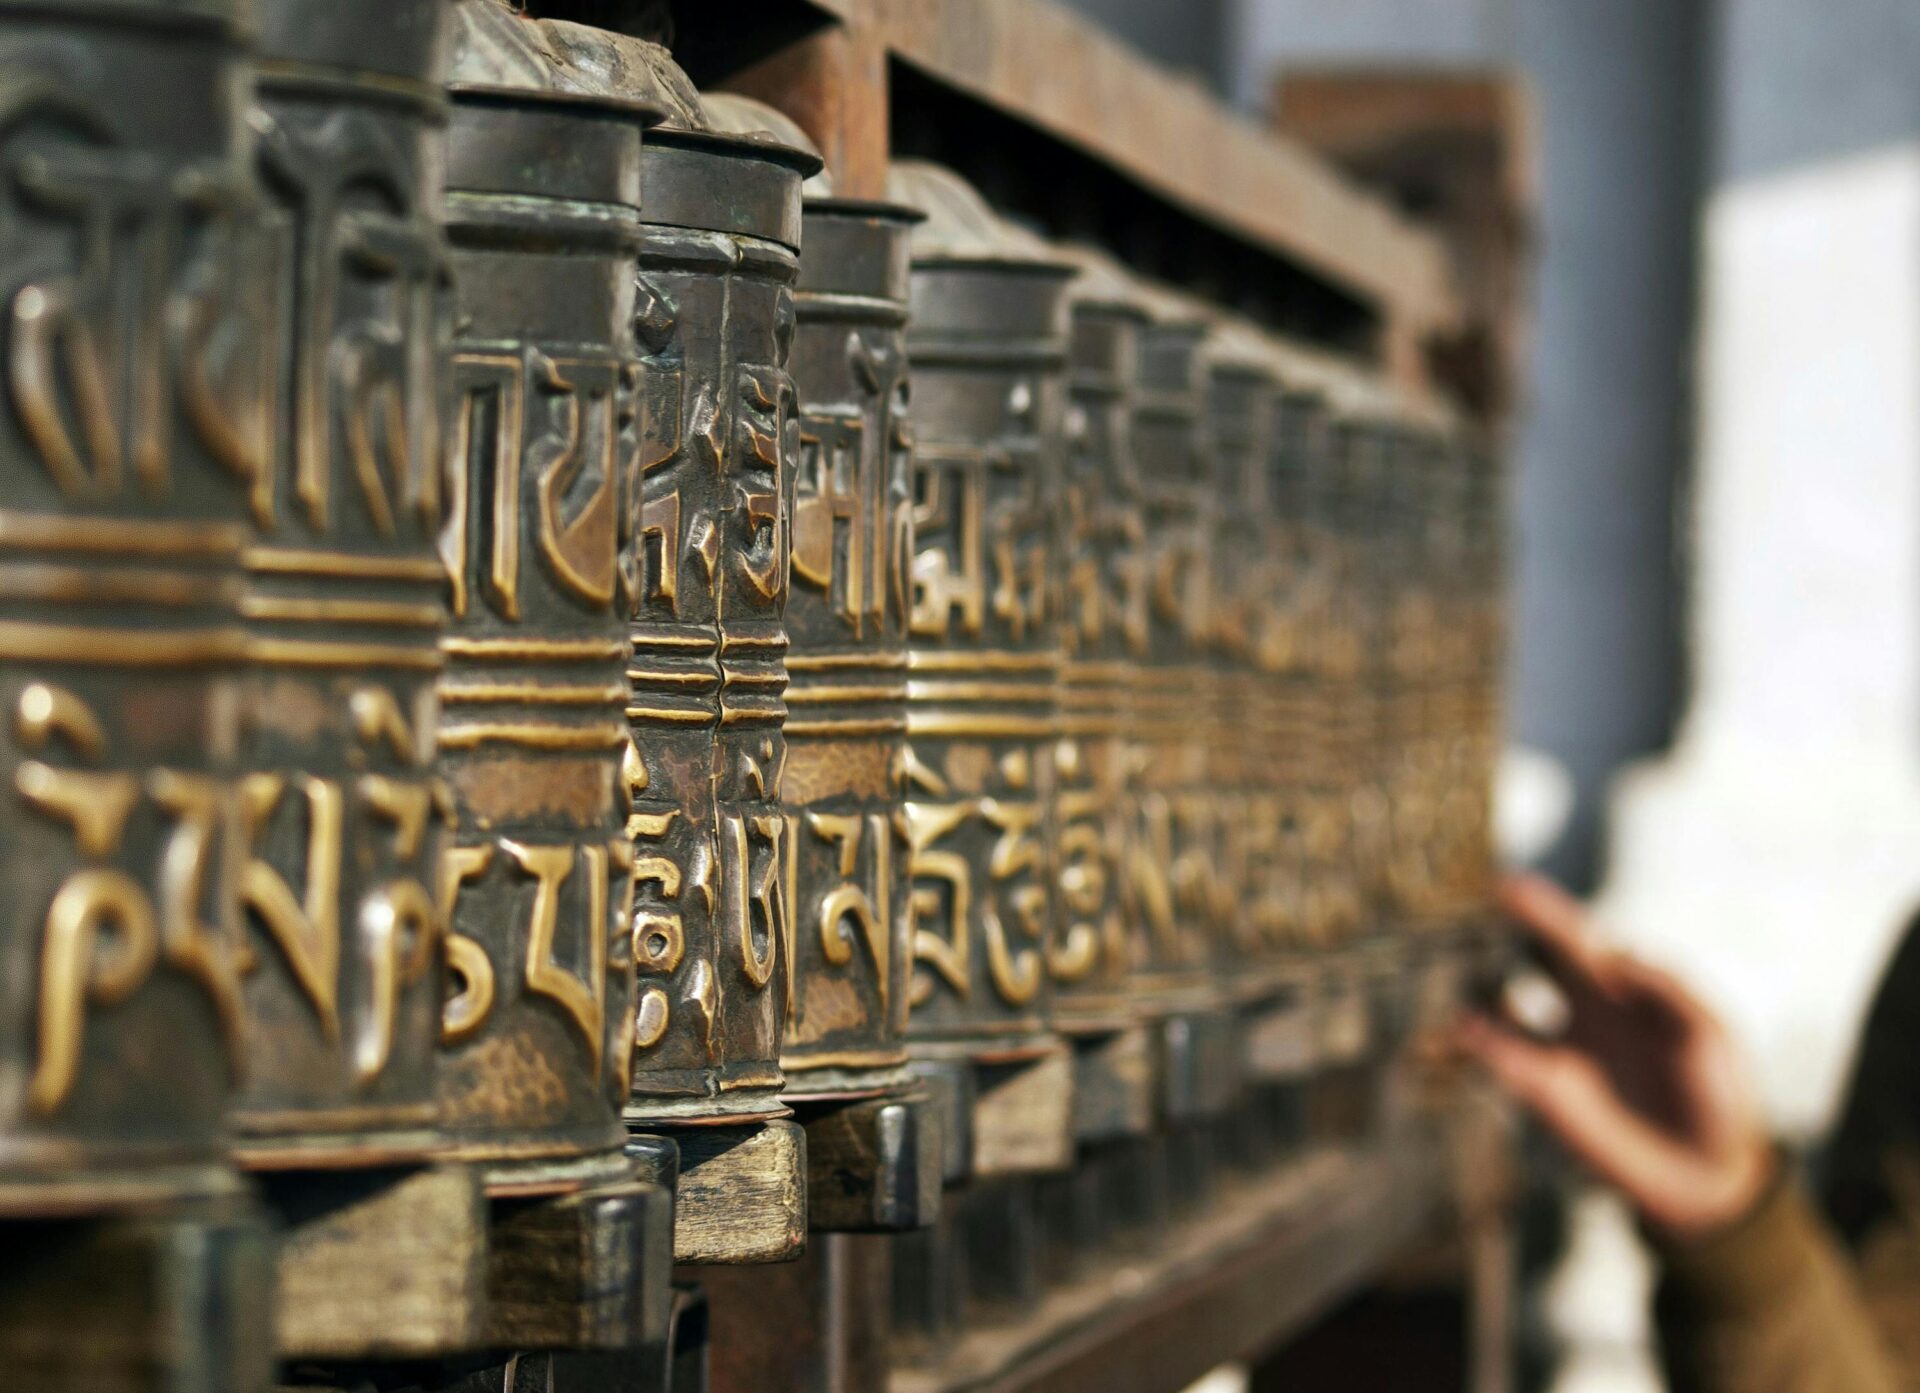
(742, 1195)
(1037, 61)
(1236, 1280)
(585, 1271)
(1023, 1116)
(1065, 77)
(873, 1165)
(155, 1303)
(380, 1265)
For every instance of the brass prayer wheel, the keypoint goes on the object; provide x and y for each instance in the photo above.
(1427, 821)
(1346, 835)
(1241, 400)
(1411, 697)
(708, 512)
(1101, 1000)
(1256, 765)
(1289, 589)
(846, 728)
(1284, 650)
(345, 596)
(1374, 456)
(1170, 482)
(1172, 849)
(1324, 645)
(121, 1017)
(1482, 653)
(1102, 626)
(988, 339)
(1460, 856)
(583, 707)
(543, 214)
(713, 905)
(873, 1136)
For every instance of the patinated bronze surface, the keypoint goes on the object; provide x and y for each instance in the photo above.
(846, 731)
(988, 343)
(709, 515)
(708, 670)
(873, 1137)
(1175, 870)
(846, 618)
(1286, 634)
(1241, 395)
(1171, 476)
(121, 1017)
(544, 215)
(345, 597)
(1101, 576)
(125, 238)
(1346, 831)
(1256, 867)
(1288, 585)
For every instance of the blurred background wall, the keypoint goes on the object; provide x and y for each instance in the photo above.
(1775, 855)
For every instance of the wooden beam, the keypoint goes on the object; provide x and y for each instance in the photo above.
(834, 83)
(1064, 75)
(1269, 1257)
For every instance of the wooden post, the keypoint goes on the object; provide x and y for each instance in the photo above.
(834, 83)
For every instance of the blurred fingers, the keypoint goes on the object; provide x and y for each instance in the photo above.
(1554, 920)
(1567, 1090)
(1653, 986)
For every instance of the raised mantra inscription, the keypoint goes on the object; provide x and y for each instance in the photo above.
(345, 601)
(127, 285)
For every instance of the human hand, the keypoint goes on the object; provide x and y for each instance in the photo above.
(1644, 1087)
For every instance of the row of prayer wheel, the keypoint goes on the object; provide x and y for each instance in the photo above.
(538, 641)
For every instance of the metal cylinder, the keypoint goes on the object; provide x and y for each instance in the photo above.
(846, 730)
(1343, 707)
(1346, 814)
(131, 294)
(345, 597)
(712, 918)
(1413, 699)
(1173, 483)
(1241, 402)
(1102, 624)
(1176, 857)
(1293, 594)
(988, 342)
(1284, 586)
(1484, 521)
(543, 213)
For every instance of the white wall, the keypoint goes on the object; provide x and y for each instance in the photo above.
(1773, 857)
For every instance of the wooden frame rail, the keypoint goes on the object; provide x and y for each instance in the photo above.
(1111, 146)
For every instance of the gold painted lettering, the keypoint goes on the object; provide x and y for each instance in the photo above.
(486, 445)
(583, 999)
(186, 940)
(81, 961)
(950, 502)
(753, 902)
(471, 1003)
(580, 549)
(847, 900)
(307, 929)
(949, 955)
